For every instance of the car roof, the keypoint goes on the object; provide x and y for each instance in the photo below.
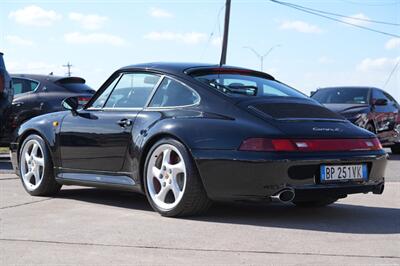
(49, 78)
(177, 68)
(348, 87)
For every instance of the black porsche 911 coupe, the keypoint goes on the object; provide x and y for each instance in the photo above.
(189, 134)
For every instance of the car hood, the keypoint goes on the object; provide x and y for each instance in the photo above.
(347, 108)
(303, 118)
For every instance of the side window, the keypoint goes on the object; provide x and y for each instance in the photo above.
(390, 98)
(17, 85)
(23, 85)
(101, 100)
(132, 90)
(33, 85)
(173, 93)
(377, 94)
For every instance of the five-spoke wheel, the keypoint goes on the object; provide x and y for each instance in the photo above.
(172, 184)
(166, 174)
(32, 164)
(36, 168)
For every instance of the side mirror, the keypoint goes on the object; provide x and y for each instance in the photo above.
(312, 93)
(380, 102)
(71, 104)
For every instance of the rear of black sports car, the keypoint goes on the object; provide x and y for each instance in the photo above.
(291, 149)
(264, 175)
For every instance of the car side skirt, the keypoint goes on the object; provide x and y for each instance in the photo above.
(120, 181)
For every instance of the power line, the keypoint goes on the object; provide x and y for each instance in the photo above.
(217, 23)
(391, 73)
(343, 16)
(364, 3)
(304, 9)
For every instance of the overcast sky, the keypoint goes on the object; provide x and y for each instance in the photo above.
(98, 37)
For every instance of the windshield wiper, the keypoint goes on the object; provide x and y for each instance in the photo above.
(241, 89)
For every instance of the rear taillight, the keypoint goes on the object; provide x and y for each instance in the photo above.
(2, 83)
(83, 100)
(310, 145)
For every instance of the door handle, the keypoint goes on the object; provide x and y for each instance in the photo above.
(124, 122)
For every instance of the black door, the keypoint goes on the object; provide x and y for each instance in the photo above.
(96, 140)
(98, 137)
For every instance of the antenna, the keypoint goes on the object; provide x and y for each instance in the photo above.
(69, 66)
(226, 32)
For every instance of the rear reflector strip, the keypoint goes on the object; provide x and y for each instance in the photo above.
(310, 145)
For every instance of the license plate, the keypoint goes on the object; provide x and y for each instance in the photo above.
(343, 172)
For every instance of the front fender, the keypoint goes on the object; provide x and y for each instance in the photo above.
(47, 126)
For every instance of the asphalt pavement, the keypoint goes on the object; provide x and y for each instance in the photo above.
(85, 226)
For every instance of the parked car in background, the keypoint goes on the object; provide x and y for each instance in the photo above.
(6, 96)
(367, 107)
(40, 94)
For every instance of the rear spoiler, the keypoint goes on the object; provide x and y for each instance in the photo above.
(67, 80)
(198, 71)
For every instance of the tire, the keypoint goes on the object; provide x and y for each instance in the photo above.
(172, 184)
(370, 127)
(36, 167)
(315, 203)
(395, 149)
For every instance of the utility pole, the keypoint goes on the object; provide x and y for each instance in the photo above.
(262, 57)
(68, 65)
(226, 32)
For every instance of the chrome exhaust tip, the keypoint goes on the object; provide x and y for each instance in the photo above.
(285, 195)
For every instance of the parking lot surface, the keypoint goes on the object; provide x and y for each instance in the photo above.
(96, 227)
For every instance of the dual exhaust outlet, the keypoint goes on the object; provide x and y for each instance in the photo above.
(285, 195)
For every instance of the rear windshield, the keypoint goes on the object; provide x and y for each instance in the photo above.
(234, 84)
(77, 87)
(342, 96)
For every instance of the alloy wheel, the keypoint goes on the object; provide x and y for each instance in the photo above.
(166, 176)
(32, 164)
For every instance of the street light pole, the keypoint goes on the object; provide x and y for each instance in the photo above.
(262, 57)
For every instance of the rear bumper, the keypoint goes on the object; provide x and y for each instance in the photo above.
(236, 175)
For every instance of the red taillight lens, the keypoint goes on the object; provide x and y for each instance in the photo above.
(310, 145)
(256, 144)
(261, 144)
(83, 100)
(283, 145)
